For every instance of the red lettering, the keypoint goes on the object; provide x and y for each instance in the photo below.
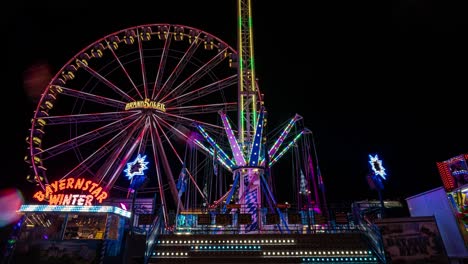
(79, 183)
(96, 192)
(48, 191)
(102, 197)
(55, 185)
(62, 184)
(54, 199)
(70, 183)
(94, 186)
(86, 186)
(39, 196)
(67, 199)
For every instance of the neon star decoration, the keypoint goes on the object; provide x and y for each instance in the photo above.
(376, 166)
(136, 167)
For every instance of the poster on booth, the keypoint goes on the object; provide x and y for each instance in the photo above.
(412, 240)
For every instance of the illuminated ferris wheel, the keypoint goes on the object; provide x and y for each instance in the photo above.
(137, 92)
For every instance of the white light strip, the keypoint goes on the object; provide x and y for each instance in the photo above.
(74, 208)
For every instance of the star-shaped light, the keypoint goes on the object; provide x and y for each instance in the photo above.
(376, 166)
(136, 167)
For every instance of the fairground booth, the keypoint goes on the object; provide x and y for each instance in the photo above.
(71, 222)
(449, 206)
(454, 174)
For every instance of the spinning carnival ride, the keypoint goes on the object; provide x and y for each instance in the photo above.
(170, 93)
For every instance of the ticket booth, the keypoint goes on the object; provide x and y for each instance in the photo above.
(70, 224)
(70, 234)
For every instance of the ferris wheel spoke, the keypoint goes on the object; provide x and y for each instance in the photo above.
(105, 81)
(197, 75)
(201, 146)
(101, 152)
(184, 135)
(124, 69)
(159, 177)
(146, 139)
(116, 145)
(92, 97)
(113, 160)
(132, 143)
(203, 91)
(167, 168)
(190, 121)
(179, 68)
(86, 118)
(85, 138)
(213, 129)
(142, 65)
(202, 109)
(179, 158)
(162, 65)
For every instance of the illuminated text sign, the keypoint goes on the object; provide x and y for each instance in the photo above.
(146, 104)
(88, 191)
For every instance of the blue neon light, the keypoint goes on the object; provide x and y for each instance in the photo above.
(136, 167)
(376, 166)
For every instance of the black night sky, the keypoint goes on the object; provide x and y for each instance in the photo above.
(385, 78)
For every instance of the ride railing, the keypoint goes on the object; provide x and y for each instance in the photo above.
(152, 236)
(282, 221)
(374, 238)
(371, 232)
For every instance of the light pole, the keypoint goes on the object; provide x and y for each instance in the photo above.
(135, 172)
(376, 178)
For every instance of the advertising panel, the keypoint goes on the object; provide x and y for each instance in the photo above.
(412, 240)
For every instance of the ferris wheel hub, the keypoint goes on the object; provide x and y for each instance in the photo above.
(146, 104)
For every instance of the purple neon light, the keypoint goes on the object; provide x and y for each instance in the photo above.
(275, 159)
(254, 152)
(224, 156)
(274, 149)
(238, 155)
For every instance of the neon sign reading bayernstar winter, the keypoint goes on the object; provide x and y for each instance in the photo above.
(81, 185)
(146, 104)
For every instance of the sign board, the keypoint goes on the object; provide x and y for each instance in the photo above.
(71, 191)
(454, 172)
(412, 240)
